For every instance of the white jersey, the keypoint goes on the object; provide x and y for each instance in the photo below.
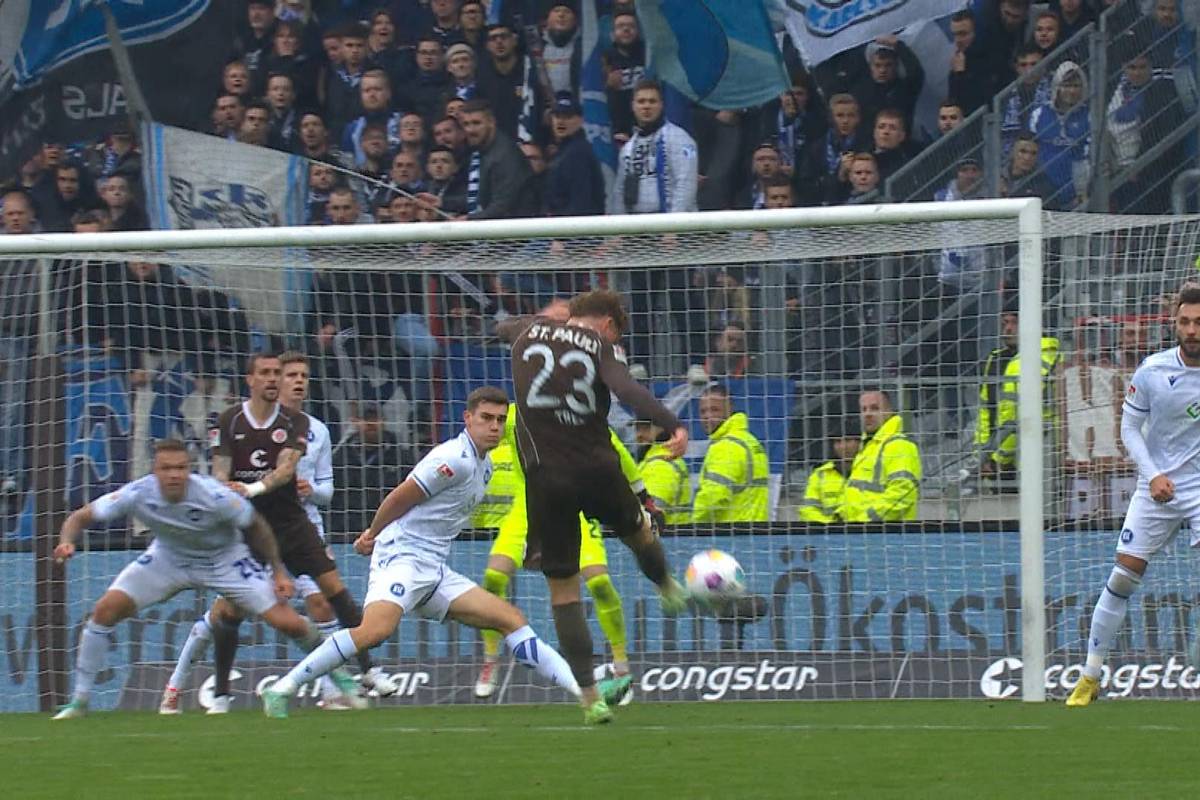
(205, 523)
(316, 467)
(453, 476)
(1165, 393)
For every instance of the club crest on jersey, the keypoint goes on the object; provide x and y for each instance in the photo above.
(445, 471)
(214, 437)
(1126, 536)
(397, 589)
(1131, 392)
(279, 436)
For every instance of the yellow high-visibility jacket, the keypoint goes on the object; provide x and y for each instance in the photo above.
(884, 481)
(823, 494)
(733, 479)
(668, 482)
(997, 439)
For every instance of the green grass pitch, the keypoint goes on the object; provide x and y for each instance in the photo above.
(902, 749)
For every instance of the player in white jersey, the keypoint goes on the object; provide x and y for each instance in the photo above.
(198, 526)
(1160, 427)
(409, 541)
(314, 483)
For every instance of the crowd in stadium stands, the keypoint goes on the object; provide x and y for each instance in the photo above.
(454, 118)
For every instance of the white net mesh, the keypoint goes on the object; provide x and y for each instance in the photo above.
(909, 589)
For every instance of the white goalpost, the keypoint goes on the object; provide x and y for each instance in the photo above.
(944, 589)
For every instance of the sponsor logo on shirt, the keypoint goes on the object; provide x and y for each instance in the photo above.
(1171, 380)
(445, 471)
(1193, 410)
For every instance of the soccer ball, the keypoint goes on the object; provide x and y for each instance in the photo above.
(713, 576)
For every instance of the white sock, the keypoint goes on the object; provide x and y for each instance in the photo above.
(93, 645)
(1107, 619)
(531, 651)
(192, 651)
(327, 629)
(328, 656)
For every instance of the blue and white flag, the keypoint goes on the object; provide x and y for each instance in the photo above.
(720, 53)
(37, 36)
(821, 29)
(595, 35)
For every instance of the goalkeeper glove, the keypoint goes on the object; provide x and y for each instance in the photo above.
(658, 520)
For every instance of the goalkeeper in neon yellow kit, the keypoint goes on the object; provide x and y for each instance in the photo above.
(503, 507)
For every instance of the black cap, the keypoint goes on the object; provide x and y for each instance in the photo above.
(565, 105)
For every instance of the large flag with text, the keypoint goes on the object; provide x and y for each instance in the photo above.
(821, 29)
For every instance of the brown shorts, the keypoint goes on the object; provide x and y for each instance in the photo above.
(556, 494)
(302, 550)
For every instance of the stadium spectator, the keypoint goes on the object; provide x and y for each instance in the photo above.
(1032, 91)
(624, 66)
(426, 92)
(893, 147)
(283, 130)
(446, 186)
(657, 168)
(288, 58)
(256, 124)
(253, 43)
(574, 182)
(950, 116)
(729, 356)
(536, 158)
(123, 210)
(315, 143)
(1047, 32)
(448, 132)
(1092, 392)
(967, 183)
(118, 154)
(73, 193)
(227, 116)
(1074, 16)
(471, 23)
(892, 79)
(665, 478)
(498, 173)
(18, 326)
(460, 65)
(508, 81)
(235, 80)
(970, 80)
(375, 166)
(321, 180)
(1170, 42)
(827, 164)
(445, 22)
(375, 93)
(384, 54)
(402, 209)
(765, 165)
(1003, 34)
(1063, 130)
(885, 477)
(1142, 111)
(862, 184)
(1022, 178)
(793, 121)
(734, 475)
(367, 465)
(561, 51)
(406, 173)
(343, 96)
(412, 135)
(824, 493)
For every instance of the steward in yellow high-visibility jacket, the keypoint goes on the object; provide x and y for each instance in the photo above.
(826, 488)
(734, 477)
(996, 436)
(884, 481)
(668, 482)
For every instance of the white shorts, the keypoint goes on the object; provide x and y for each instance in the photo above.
(420, 587)
(1150, 526)
(305, 586)
(159, 573)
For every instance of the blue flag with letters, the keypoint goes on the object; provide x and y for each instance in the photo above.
(720, 53)
(37, 36)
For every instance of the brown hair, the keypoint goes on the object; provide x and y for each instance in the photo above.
(170, 446)
(1189, 294)
(600, 303)
(486, 394)
(292, 357)
(252, 361)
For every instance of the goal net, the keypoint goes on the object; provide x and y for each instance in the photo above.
(874, 568)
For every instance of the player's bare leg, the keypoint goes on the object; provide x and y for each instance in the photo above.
(652, 560)
(379, 621)
(349, 615)
(113, 607)
(500, 569)
(576, 642)
(1107, 619)
(483, 610)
